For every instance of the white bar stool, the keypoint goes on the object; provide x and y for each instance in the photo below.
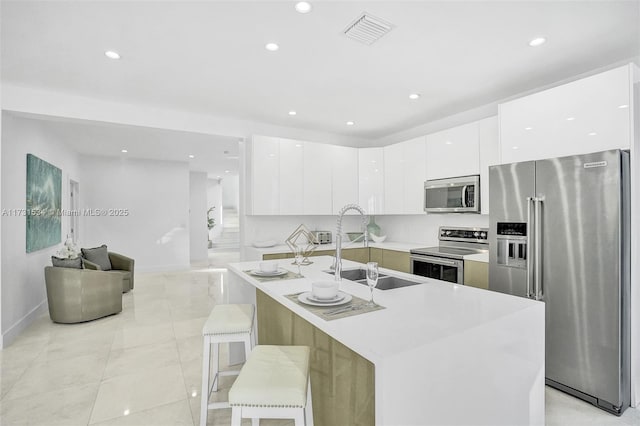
(226, 323)
(274, 384)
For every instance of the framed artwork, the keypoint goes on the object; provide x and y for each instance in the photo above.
(44, 203)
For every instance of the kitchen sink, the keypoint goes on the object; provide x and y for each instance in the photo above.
(385, 282)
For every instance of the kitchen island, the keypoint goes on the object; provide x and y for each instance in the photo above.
(440, 353)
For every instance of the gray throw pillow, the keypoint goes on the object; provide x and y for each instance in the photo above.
(67, 263)
(99, 256)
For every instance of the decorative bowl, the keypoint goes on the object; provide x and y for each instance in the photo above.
(378, 238)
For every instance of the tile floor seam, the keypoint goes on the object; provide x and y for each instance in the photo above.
(95, 400)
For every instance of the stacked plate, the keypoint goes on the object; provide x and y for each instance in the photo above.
(278, 272)
(339, 299)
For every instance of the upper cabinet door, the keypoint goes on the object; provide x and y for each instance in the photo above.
(415, 173)
(371, 179)
(394, 179)
(453, 152)
(291, 177)
(316, 195)
(588, 115)
(344, 176)
(488, 140)
(265, 168)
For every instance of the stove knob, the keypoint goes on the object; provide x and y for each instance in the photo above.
(447, 232)
(475, 234)
(483, 235)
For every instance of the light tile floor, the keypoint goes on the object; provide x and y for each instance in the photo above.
(143, 366)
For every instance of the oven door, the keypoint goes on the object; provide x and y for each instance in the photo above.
(439, 268)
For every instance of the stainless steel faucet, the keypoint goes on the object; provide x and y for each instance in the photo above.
(365, 221)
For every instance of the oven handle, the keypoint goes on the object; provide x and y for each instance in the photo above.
(464, 196)
(436, 260)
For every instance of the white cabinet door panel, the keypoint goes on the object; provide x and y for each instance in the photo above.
(317, 179)
(291, 176)
(394, 172)
(344, 176)
(371, 179)
(415, 174)
(453, 152)
(265, 175)
(575, 118)
(489, 156)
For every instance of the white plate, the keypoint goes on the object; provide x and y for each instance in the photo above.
(277, 273)
(304, 299)
(264, 244)
(337, 298)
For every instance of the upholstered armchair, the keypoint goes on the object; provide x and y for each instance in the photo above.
(77, 295)
(120, 264)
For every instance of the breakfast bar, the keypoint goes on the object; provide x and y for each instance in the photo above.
(435, 353)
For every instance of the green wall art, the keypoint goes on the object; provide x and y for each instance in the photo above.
(44, 193)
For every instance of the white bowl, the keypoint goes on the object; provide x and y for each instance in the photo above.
(324, 289)
(378, 238)
(268, 266)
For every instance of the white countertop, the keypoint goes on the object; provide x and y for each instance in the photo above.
(387, 245)
(415, 316)
(443, 353)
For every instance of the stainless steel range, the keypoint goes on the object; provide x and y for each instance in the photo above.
(446, 262)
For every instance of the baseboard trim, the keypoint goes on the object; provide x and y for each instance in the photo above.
(16, 329)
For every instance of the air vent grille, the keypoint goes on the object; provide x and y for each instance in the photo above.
(367, 29)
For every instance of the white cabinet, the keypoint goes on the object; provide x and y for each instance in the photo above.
(371, 179)
(587, 115)
(344, 176)
(489, 143)
(404, 176)
(316, 194)
(453, 152)
(291, 182)
(265, 172)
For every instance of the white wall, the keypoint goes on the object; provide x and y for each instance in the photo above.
(23, 288)
(230, 192)
(214, 198)
(198, 230)
(156, 193)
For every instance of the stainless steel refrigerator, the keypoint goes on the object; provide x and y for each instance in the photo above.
(559, 233)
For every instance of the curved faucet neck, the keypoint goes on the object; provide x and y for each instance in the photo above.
(365, 221)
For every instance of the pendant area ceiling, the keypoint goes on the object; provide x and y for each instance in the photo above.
(210, 57)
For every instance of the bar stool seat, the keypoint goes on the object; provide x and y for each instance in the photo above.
(274, 384)
(226, 324)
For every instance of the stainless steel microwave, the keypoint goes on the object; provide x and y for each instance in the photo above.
(452, 195)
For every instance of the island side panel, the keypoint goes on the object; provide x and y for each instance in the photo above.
(342, 382)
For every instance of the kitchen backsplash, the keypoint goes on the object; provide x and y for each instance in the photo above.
(419, 229)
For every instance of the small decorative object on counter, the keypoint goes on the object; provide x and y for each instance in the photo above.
(304, 242)
(373, 228)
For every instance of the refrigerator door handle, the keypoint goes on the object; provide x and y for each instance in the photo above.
(530, 260)
(464, 196)
(538, 248)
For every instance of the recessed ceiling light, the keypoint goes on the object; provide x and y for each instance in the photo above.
(350, 123)
(570, 118)
(124, 150)
(528, 128)
(111, 54)
(414, 96)
(226, 171)
(514, 147)
(292, 113)
(592, 134)
(298, 145)
(272, 47)
(623, 106)
(448, 142)
(192, 156)
(272, 155)
(219, 177)
(303, 7)
(537, 41)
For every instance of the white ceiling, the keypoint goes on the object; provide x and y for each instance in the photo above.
(209, 57)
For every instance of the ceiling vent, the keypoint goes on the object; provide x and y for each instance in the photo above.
(367, 29)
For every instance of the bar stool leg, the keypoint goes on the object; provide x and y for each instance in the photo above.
(204, 405)
(236, 416)
(308, 409)
(247, 347)
(216, 366)
(255, 422)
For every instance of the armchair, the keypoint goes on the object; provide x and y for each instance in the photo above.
(120, 264)
(78, 295)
